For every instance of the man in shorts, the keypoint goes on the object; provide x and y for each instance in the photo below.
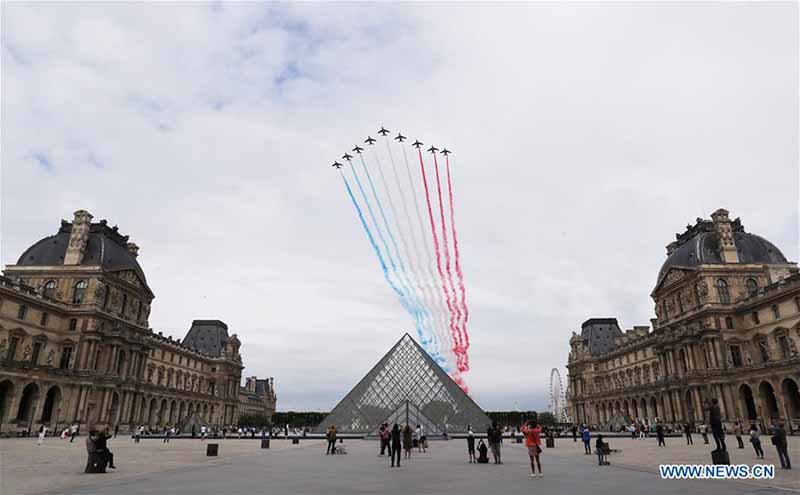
(532, 432)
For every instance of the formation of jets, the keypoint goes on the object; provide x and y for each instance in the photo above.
(370, 141)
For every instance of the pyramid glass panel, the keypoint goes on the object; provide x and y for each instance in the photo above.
(406, 385)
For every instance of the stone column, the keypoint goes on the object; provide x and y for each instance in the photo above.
(720, 357)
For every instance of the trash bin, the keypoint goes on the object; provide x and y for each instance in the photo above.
(265, 443)
(550, 442)
(212, 449)
(295, 441)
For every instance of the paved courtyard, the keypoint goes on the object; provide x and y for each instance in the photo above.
(181, 467)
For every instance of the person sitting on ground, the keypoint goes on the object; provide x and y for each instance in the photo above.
(483, 453)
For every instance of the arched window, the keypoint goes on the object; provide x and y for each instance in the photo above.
(722, 291)
(79, 292)
(139, 311)
(124, 304)
(50, 288)
(751, 285)
(680, 302)
(106, 295)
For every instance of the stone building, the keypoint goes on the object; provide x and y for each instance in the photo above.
(727, 326)
(257, 398)
(75, 345)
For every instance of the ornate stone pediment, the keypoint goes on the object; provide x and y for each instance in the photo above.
(672, 276)
(132, 277)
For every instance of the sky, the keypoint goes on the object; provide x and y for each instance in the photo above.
(585, 135)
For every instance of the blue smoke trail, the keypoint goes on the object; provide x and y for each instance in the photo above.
(409, 304)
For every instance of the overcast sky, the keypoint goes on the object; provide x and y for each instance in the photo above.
(585, 137)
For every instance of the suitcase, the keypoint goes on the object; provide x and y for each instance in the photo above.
(720, 457)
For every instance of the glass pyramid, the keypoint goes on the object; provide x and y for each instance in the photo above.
(407, 387)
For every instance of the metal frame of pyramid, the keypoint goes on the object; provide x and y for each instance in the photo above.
(406, 384)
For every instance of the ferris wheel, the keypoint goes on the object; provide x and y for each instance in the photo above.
(558, 404)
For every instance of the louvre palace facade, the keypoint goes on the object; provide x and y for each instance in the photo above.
(76, 347)
(727, 326)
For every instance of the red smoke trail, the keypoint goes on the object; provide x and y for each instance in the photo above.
(462, 362)
(450, 306)
(459, 273)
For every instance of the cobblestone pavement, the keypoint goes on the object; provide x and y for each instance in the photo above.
(181, 467)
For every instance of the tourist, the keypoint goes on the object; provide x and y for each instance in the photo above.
(632, 431)
(779, 441)
(756, 441)
(600, 448)
(687, 430)
(167, 434)
(637, 430)
(396, 446)
(532, 431)
(574, 433)
(408, 441)
(42, 434)
(704, 433)
(73, 432)
(423, 440)
(64, 433)
(331, 436)
(495, 437)
(715, 420)
(101, 447)
(384, 434)
(471, 444)
(116, 430)
(587, 438)
(737, 430)
(203, 432)
(660, 433)
(645, 429)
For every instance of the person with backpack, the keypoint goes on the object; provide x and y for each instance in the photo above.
(779, 441)
(587, 438)
(533, 442)
(331, 436)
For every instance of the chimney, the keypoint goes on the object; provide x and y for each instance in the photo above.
(78, 238)
(133, 249)
(722, 227)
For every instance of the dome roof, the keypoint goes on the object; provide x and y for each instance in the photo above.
(699, 245)
(106, 247)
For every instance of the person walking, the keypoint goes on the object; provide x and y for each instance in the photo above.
(574, 433)
(587, 438)
(779, 441)
(532, 432)
(116, 430)
(42, 434)
(687, 430)
(471, 444)
(704, 433)
(423, 440)
(408, 441)
(167, 434)
(756, 441)
(137, 434)
(73, 432)
(203, 432)
(715, 421)
(384, 434)
(396, 444)
(660, 434)
(737, 430)
(331, 436)
(495, 436)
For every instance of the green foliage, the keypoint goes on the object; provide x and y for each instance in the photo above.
(254, 420)
(298, 419)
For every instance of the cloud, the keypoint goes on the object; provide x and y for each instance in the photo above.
(585, 136)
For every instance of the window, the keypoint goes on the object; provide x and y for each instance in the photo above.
(139, 311)
(762, 348)
(752, 286)
(783, 344)
(50, 288)
(37, 349)
(79, 292)
(22, 312)
(666, 310)
(756, 319)
(776, 313)
(73, 324)
(66, 354)
(124, 304)
(736, 355)
(722, 291)
(106, 295)
(12, 348)
(729, 323)
(43, 321)
(680, 302)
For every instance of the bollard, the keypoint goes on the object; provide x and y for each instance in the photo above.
(550, 442)
(212, 449)
(295, 441)
(265, 443)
